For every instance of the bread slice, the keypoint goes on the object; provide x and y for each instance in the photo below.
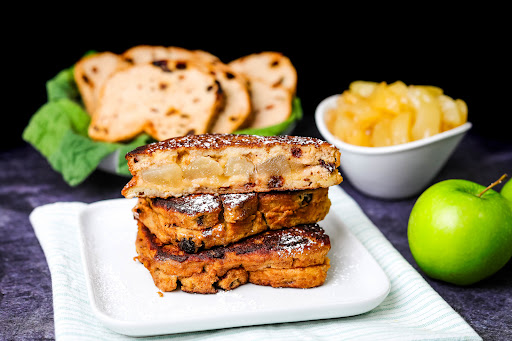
(149, 53)
(236, 112)
(231, 163)
(295, 258)
(271, 67)
(270, 104)
(165, 98)
(202, 221)
(90, 74)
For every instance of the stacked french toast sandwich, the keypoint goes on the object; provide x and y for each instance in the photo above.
(216, 211)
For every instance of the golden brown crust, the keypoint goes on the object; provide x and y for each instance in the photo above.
(290, 208)
(221, 141)
(307, 277)
(202, 221)
(293, 248)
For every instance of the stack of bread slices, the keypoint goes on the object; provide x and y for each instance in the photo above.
(172, 91)
(216, 211)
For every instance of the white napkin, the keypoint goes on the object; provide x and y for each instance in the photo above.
(411, 311)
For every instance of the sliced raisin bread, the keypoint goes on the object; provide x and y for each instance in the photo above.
(164, 98)
(90, 74)
(236, 112)
(271, 67)
(148, 53)
(270, 104)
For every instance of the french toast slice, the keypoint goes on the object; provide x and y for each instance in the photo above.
(231, 163)
(202, 221)
(295, 257)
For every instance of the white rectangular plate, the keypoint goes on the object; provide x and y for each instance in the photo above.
(123, 296)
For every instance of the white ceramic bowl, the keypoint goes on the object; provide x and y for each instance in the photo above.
(392, 172)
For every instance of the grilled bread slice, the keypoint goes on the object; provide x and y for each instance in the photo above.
(165, 98)
(273, 68)
(90, 74)
(236, 112)
(231, 163)
(202, 221)
(295, 258)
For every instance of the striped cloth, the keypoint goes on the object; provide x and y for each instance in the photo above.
(411, 311)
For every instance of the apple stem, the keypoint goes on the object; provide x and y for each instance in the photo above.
(493, 184)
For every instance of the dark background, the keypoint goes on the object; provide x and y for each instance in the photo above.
(466, 57)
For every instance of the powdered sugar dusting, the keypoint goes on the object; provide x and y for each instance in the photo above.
(215, 231)
(202, 203)
(192, 204)
(290, 241)
(236, 199)
(216, 141)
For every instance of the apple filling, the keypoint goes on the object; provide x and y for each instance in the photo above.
(202, 167)
(205, 167)
(275, 166)
(238, 165)
(170, 174)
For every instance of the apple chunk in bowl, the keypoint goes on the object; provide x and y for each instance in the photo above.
(391, 171)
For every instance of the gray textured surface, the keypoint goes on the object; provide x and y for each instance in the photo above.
(27, 181)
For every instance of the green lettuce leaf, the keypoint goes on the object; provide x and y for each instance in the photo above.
(78, 156)
(48, 126)
(58, 130)
(63, 86)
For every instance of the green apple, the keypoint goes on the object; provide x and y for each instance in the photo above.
(506, 191)
(460, 232)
